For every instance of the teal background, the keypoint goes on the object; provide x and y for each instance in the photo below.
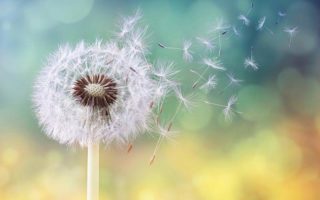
(271, 151)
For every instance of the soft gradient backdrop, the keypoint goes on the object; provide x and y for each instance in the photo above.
(270, 152)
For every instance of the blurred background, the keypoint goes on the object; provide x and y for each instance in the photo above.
(270, 152)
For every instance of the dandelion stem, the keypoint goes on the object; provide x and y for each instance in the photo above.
(93, 172)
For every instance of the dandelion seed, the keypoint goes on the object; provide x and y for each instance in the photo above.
(244, 19)
(166, 72)
(250, 62)
(207, 43)
(182, 99)
(291, 32)
(214, 63)
(270, 31)
(210, 84)
(136, 42)
(196, 83)
(261, 23)
(164, 133)
(132, 69)
(128, 24)
(233, 80)
(235, 31)
(228, 110)
(282, 14)
(187, 56)
(199, 75)
(169, 127)
(152, 159)
(129, 148)
(221, 26)
(161, 45)
(251, 8)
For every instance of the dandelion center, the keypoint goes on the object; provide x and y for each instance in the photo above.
(95, 91)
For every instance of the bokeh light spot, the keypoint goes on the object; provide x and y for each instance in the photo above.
(70, 11)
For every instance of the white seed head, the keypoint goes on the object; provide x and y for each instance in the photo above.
(100, 92)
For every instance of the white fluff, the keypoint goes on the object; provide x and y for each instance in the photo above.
(122, 59)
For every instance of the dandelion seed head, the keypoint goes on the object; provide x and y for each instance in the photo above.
(100, 92)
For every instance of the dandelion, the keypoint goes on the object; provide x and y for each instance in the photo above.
(291, 32)
(102, 93)
(80, 100)
(244, 19)
(261, 23)
(214, 64)
(187, 56)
